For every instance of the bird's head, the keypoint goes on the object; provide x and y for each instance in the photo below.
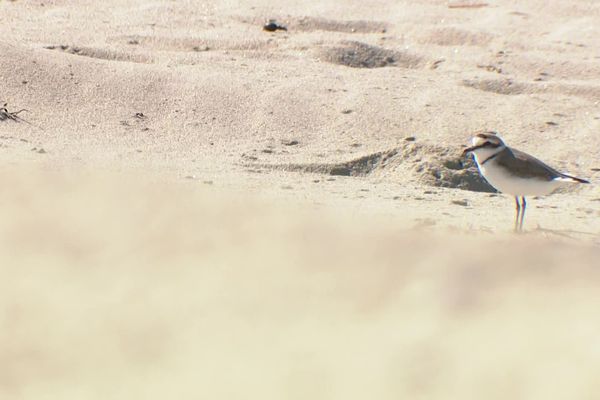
(485, 144)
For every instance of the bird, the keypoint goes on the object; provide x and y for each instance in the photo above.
(514, 172)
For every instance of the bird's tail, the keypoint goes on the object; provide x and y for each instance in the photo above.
(569, 178)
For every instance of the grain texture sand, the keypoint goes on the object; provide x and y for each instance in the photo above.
(193, 207)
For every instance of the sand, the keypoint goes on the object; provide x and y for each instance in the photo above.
(194, 207)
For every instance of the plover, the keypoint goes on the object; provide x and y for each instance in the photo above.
(514, 172)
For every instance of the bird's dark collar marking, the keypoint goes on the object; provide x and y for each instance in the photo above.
(490, 157)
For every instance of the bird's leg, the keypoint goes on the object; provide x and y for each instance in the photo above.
(524, 206)
(518, 209)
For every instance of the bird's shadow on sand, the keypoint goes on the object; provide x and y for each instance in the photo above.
(566, 233)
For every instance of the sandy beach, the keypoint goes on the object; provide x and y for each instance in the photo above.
(195, 207)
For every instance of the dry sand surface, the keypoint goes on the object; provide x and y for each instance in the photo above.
(192, 207)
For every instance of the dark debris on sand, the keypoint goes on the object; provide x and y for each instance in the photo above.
(272, 26)
(6, 115)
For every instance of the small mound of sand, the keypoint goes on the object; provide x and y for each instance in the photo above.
(457, 37)
(362, 55)
(458, 174)
(102, 54)
(360, 26)
(500, 86)
(429, 165)
(195, 44)
(361, 166)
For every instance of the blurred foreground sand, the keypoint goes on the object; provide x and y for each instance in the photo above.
(118, 289)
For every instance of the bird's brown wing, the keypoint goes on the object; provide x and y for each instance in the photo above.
(526, 166)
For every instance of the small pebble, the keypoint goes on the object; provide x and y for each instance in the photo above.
(272, 26)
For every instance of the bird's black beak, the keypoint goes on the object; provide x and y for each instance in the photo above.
(471, 149)
(467, 151)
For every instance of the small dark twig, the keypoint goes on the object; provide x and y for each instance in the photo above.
(5, 114)
(14, 115)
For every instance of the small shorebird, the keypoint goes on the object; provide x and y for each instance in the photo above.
(513, 172)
